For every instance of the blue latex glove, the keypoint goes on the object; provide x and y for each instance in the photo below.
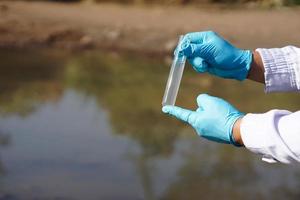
(208, 52)
(213, 120)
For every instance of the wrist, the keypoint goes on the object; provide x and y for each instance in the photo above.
(236, 133)
(257, 70)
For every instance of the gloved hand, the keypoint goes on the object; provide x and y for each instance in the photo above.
(213, 120)
(208, 52)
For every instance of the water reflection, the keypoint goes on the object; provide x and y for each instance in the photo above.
(232, 177)
(89, 126)
(27, 81)
(4, 141)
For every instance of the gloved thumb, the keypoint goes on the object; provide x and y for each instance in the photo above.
(185, 115)
(206, 101)
(198, 64)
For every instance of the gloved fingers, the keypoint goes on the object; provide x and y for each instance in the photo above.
(196, 37)
(231, 73)
(204, 51)
(190, 49)
(177, 50)
(181, 46)
(185, 115)
(199, 64)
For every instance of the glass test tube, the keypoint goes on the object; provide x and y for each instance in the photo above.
(174, 79)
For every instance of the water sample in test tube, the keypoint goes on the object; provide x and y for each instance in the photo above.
(174, 79)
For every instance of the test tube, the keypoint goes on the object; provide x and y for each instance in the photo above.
(174, 79)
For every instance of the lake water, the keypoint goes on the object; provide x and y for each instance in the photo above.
(89, 125)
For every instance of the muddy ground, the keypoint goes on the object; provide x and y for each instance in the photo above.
(139, 29)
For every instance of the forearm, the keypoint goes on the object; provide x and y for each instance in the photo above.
(256, 73)
(275, 135)
(257, 70)
(277, 68)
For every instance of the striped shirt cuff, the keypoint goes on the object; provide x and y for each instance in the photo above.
(282, 66)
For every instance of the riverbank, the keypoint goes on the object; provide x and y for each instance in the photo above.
(151, 30)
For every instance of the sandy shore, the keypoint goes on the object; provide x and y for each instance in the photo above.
(139, 29)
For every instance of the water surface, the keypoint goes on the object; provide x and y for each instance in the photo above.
(89, 126)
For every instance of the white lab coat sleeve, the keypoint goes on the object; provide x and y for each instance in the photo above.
(282, 68)
(275, 135)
